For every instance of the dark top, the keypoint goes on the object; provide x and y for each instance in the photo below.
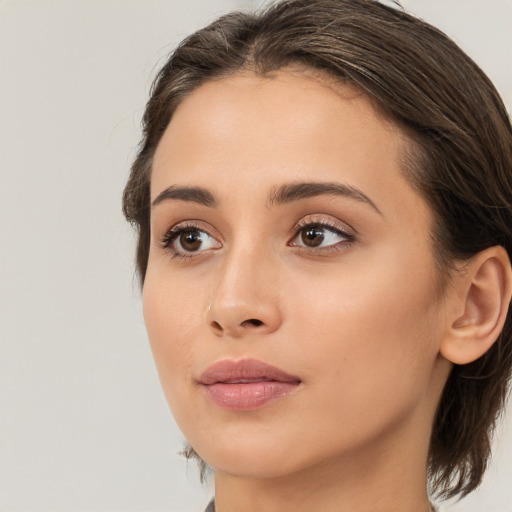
(211, 507)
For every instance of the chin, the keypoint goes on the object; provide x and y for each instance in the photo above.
(251, 455)
(258, 454)
(253, 464)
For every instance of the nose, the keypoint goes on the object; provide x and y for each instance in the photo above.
(245, 297)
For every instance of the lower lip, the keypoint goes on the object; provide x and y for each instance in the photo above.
(249, 395)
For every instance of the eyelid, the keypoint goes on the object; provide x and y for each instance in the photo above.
(173, 232)
(334, 225)
(327, 221)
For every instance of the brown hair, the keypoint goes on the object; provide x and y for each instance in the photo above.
(460, 161)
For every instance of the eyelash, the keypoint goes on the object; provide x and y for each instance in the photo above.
(176, 231)
(327, 225)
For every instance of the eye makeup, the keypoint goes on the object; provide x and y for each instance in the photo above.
(313, 233)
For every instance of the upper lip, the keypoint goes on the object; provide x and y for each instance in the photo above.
(229, 371)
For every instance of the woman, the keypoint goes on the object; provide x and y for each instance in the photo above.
(323, 200)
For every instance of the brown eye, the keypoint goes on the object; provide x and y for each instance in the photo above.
(313, 236)
(190, 240)
(321, 236)
(187, 240)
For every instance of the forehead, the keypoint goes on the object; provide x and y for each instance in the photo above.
(292, 99)
(258, 132)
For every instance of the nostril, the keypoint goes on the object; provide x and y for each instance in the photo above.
(253, 321)
(216, 326)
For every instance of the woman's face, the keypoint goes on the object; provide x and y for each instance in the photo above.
(284, 234)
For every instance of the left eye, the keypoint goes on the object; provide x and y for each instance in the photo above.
(319, 235)
(189, 240)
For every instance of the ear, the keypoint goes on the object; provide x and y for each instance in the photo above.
(477, 306)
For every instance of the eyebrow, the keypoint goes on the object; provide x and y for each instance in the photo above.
(197, 195)
(297, 191)
(281, 195)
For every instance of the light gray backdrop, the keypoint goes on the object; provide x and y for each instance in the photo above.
(83, 423)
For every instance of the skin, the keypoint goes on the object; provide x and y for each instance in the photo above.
(359, 319)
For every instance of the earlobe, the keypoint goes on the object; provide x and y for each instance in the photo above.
(479, 302)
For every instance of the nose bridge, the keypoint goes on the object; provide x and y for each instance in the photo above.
(244, 297)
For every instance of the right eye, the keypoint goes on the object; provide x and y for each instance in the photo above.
(184, 241)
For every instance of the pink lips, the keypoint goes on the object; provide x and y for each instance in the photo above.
(246, 384)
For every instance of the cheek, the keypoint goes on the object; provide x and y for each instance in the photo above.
(172, 317)
(373, 331)
(368, 353)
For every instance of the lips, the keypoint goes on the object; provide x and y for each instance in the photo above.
(246, 384)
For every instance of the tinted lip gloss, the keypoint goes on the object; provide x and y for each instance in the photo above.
(246, 384)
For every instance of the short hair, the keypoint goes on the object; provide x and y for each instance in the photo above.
(460, 160)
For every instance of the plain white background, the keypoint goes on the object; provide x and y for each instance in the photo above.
(83, 423)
